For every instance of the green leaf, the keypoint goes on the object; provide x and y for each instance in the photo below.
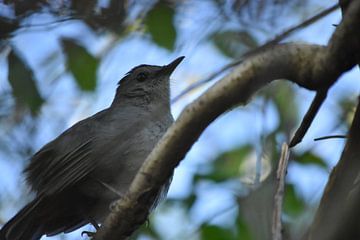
(311, 158)
(190, 200)
(294, 205)
(160, 24)
(212, 232)
(283, 96)
(81, 64)
(22, 81)
(228, 165)
(234, 44)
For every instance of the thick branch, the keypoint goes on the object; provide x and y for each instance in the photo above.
(338, 215)
(311, 66)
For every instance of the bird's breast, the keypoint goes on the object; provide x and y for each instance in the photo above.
(121, 155)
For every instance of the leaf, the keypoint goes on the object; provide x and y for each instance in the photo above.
(160, 24)
(227, 165)
(293, 204)
(311, 158)
(212, 232)
(22, 81)
(190, 200)
(81, 64)
(283, 96)
(234, 44)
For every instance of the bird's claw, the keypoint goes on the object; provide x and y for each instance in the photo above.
(88, 233)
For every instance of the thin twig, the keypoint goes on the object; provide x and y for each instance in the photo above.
(46, 24)
(269, 43)
(329, 137)
(309, 117)
(279, 194)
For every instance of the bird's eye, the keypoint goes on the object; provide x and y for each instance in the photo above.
(141, 77)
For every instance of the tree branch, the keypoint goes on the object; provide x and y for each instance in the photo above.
(329, 137)
(309, 117)
(338, 215)
(311, 66)
(346, 59)
(279, 194)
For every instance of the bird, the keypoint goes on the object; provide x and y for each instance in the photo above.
(79, 174)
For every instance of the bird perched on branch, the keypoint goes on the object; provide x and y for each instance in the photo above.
(81, 172)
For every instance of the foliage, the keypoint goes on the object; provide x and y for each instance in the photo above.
(22, 81)
(160, 23)
(81, 64)
(234, 44)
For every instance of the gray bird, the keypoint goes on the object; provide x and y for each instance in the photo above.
(81, 172)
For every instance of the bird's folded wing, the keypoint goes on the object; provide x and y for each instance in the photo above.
(51, 172)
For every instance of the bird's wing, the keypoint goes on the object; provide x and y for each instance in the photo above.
(60, 171)
(66, 160)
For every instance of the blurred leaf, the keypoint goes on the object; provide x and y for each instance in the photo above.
(234, 44)
(283, 96)
(190, 200)
(243, 229)
(293, 204)
(23, 84)
(160, 24)
(228, 164)
(212, 232)
(311, 158)
(81, 64)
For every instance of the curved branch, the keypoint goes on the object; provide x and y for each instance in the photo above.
(311, 66)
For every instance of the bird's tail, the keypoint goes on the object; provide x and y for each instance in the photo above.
(25, 225)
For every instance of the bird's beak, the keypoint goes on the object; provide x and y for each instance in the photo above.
(168, 69)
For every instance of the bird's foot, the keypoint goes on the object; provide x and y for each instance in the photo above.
(88, 234)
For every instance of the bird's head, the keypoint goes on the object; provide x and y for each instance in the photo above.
(147, 82)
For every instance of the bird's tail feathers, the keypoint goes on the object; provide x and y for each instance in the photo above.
(25, 225)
